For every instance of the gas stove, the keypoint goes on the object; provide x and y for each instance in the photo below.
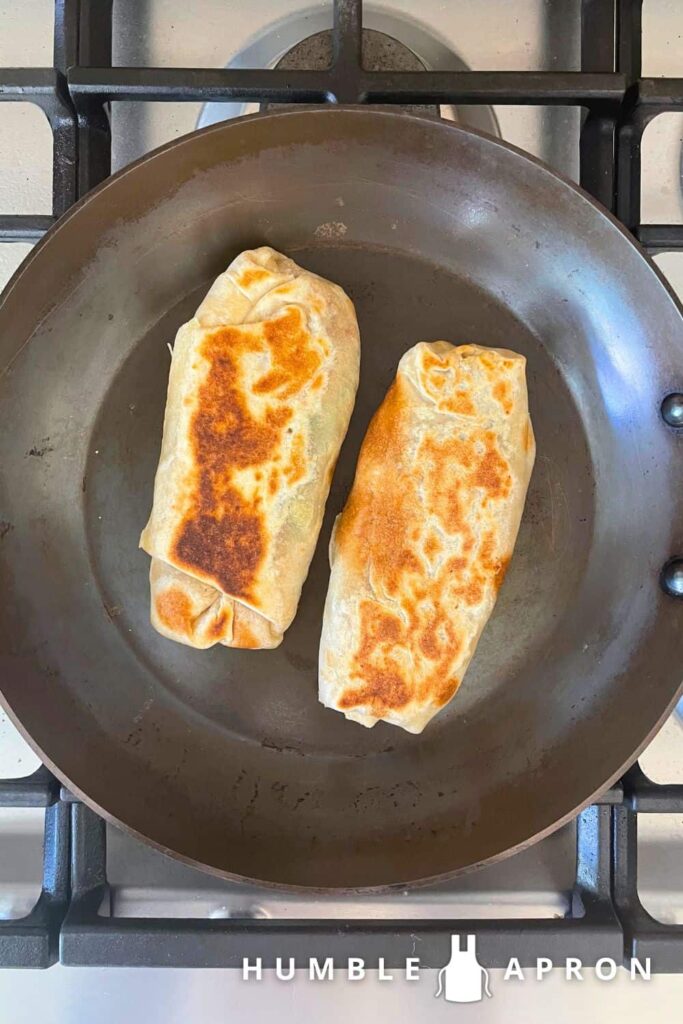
(594, 88)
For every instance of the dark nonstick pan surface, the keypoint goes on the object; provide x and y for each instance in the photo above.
(225, 758)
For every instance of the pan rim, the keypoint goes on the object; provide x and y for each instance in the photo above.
(337, 111)
(355, 110)
(365, 890)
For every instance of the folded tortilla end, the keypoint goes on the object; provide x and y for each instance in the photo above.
(191, 612)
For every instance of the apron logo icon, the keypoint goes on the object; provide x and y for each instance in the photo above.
(465, 979)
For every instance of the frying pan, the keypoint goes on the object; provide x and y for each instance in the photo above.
(225, 758)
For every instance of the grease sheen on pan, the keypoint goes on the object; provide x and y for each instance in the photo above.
(422, 546)
(261, 388)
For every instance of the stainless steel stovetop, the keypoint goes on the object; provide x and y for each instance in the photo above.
(475, 34)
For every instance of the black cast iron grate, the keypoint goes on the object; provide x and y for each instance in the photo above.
(606, 917)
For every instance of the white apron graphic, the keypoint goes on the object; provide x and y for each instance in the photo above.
(465, 979)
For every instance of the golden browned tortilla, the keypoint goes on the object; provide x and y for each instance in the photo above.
(422, 546)
(261, 388)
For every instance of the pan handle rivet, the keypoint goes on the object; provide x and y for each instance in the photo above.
(672, 577)
(672, 409)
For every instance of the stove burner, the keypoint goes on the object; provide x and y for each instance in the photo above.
(390, 43)
(381, 52)
(604, 912)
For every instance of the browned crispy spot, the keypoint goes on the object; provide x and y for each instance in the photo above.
(383, 687)
(382, 518)
(431, 361)
(486, 550)
(244, 638)
(460, 402)
(434, 379)
(296, 468)
(382, 691)
(432, 545)
(493, 474)
(472, 592)
(378, 629)
(442, 454)
(252, 275)
(492, 566)
(487, 570)
(443, 487)
(429, 642)
(317, 383)
(446, 691)
(294, 360)
(223, 534)
(528, 436)
(500, 572)
(228, 547)
(502, 392)
(174, 610)
(217, 628)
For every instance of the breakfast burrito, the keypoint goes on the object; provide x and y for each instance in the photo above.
(261, 388)
(421, 548)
